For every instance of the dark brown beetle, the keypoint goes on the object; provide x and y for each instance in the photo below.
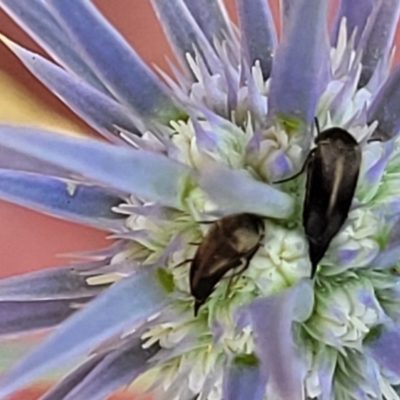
(231, 242)
(332, 174)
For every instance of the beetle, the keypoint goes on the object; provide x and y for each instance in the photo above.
(230, 243)
(332, 173)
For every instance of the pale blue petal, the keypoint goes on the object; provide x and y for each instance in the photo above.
(385, 108)
(66, 199)
(373, 175)
(19, 317)
(325, 360)
(243, 382)
(380, 40)
(300, 69)
(303, 298)
(73, 379)
(383, 346)
(179, 389)
(211, 380)
(124, 305)
(257, 33)
(148, 175)
(389, 298)
(211, 17)
(114, 61)
(275, 347)
(99, 255)
(356, 13)
(183, 32)
(49, 284)
(387, 258)
(257, 104)
(237, 192)
(118, 369)
(390, 254)
(372, 375)
(100, 111)
(340, 101)
(35, 18)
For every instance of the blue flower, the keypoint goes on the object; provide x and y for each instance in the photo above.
(205, 144)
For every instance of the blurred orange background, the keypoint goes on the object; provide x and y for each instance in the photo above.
(29, 240)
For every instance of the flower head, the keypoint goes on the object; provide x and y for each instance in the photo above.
(191, 188)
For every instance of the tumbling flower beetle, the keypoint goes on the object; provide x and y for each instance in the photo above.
(231, 242)
(332, 173)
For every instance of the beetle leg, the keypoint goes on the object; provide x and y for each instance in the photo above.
(317, 125)
(241, 270)
(207, 222)
(310, 155)
(197, 304)
(376, 139)
(183, 262)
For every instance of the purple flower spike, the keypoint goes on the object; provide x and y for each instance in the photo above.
(258, 34)
(115, 63)
(379, 40)
(300, 70)
(356, 13)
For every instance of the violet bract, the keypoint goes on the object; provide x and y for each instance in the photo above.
(209, 142)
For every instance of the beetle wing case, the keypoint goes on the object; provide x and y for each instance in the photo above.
(231, 242)
(332, 176)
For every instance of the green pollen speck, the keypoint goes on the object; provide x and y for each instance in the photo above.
(165, 112)
(188, 184)
(289, 123)
(373, 334)
(248, 360)
(175, 115)
(180, 116)
(166, 279)
(383, 238)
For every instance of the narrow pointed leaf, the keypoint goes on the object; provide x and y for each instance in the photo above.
(148, 175)
(114, 61)
(380, 39)
(73, 379)
(257, 33)
(212, 18)
(300, 70)
(183, 32)
(244, 380)
(237, 192)
(124, 305)
(286, 7)
(17, 317)
(383, 345)
(385, 108)
(275, 347)
(49, 284)
(100, 111)
(356, 13)
(118, 369)
(35, 17)
(15, 160)
(66, 199)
